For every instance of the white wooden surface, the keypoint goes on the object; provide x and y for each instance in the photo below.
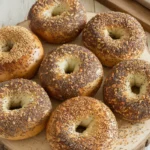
(14, 11)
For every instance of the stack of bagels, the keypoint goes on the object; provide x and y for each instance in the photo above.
(72, 74)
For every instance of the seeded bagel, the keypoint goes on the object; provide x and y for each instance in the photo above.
(114, 37)
(127, 90)
(57, 21)
(82, 123)
(70, 71)
(24, 109)
(21, 53)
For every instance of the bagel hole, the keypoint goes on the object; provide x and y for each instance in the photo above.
(114, 36)
(72, 65)
(18, 101)
(14, 106)
(59, 9)
(70, 69)
(56, 9)
(135, 89)
(80, 129)
(7, 47)
(136, 85)
(115, 33)
(69, 65)
(84, 125)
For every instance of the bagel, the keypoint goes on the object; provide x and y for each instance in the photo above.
(24, 109)
(126, 90)
(70, 71)
(57, 21)
(82, 123)
(20, 53)
(114, 37)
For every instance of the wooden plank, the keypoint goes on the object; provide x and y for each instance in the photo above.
(14, 11)
(89, 5)
(131, 7)
(145, 3)
(100, 8)
(131, 136)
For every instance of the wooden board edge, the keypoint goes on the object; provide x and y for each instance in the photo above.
(114, 7)
(145, 3)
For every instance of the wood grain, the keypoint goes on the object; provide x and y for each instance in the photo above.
(14, 11)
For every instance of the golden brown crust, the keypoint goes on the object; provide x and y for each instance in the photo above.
(25, 54)
(118, 94)
(101, 132)
(96, 37)
(31, 118)
(57, 29)
(85, 80)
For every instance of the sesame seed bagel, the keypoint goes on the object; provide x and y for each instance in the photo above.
(98, 126)
(20, 53)
(70, 71)
(127, 90)
(57, 21)
(24, 109)
(114, 37)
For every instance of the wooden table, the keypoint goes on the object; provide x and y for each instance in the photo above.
(90, 5)
(14, 11)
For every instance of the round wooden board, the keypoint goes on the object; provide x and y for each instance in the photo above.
(131, 136)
